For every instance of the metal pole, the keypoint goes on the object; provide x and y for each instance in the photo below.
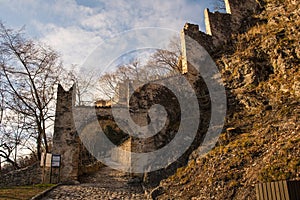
(16, 151)
(44, 167)
(59, 169)
(50, 174)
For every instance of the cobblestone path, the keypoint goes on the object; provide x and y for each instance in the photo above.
(104, 185)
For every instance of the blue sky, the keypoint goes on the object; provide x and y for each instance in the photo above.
(75, 27)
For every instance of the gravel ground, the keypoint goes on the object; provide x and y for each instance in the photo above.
(105, 185)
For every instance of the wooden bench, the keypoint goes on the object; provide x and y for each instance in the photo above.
(281, 190)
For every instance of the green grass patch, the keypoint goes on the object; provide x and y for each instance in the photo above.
(22, 192)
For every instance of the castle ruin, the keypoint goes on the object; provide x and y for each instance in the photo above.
(66, 142)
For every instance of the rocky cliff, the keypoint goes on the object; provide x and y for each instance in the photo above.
(261, 137)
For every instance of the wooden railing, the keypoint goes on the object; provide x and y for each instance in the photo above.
(281, 190)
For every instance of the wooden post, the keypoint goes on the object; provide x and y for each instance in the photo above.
(42, 164)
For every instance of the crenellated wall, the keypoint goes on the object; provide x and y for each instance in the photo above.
(219, 26)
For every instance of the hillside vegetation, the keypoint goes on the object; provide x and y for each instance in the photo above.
(261, 137)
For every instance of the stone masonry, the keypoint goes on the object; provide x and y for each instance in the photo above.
(26, 176)
(65, 138)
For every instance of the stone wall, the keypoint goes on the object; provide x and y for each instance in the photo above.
(26, 176)
(218, 25)
(219, 28)
(239, 10)
(122, 157)
(192, 31)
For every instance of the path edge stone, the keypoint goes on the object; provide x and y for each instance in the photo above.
(45, 192)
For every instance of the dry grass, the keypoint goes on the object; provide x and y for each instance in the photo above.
(22, 192)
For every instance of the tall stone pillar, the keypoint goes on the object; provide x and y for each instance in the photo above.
(65, 138)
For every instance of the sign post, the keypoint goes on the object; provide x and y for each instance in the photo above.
(55, 163)
(55, 160)
(52, 162)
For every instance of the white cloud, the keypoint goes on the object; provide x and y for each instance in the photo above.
(73, 43)
(76, 29)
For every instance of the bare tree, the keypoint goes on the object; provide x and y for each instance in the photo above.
(30, 73)
(13, 136)
(161, 63)
(167, 59)
(85, 83)
(108, 83)
(164, 59)
(2, 92)
(219, 5)
(6, 150)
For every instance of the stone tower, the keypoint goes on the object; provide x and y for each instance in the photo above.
(65, 138)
